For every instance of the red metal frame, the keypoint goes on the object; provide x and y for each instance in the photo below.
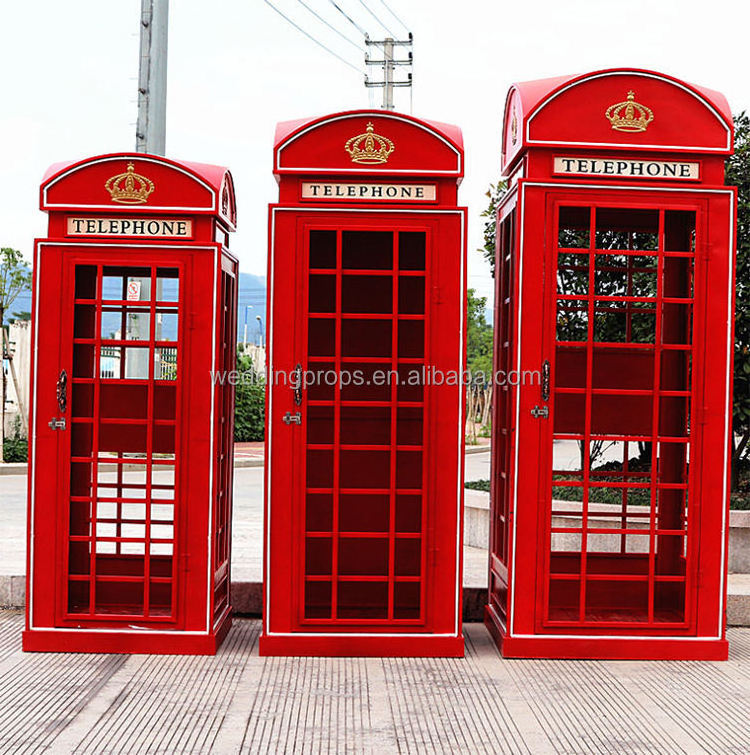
(343, 574)
(118, 524)
(623, 330)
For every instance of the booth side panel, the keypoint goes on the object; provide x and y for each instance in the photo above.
(43, 558)
(503, 408)
(714, 414)
(223, 428)
(280, 458)
(527, 505)
(447, 350)
(197, 442)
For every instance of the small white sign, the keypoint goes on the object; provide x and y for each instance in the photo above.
(663, 169)
(370, 192)
(145, 227)
(134, 290)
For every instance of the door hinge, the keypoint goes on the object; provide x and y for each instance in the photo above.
(538, 412)
(292, 419)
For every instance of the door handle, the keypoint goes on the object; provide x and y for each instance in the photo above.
(292, 419)
(545, 380)
(540, 412)
(62, 392)
(57, 423)
(298, 385)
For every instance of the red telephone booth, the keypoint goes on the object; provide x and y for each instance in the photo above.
(366, 349)
(614, 276)
(130, 473)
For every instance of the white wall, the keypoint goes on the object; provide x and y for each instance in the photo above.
(19, 334)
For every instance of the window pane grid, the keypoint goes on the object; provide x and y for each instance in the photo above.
(632, 298)
(365, 472)
(120, 558)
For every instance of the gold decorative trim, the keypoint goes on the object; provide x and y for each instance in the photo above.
(129, 187)
(629, 115)
(369, 148)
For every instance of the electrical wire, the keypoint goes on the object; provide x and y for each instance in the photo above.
(383, 3)
(347, 17)
(309, 36)
(330, 26)
(362, 3)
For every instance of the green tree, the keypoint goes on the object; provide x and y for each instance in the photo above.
(250, 402)
(479, 363)
(738, 174)
(15, 277)
(478, 336)
(494, 194)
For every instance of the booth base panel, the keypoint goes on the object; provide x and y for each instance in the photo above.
(606, 647)
(426, 646)
(149, 642)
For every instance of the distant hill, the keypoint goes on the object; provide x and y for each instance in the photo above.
(21, 304)
(252, 293)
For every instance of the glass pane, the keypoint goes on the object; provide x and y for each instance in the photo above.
(367, 250)
(323, 249)
(412, 250)
(167, 284)
(620, 228)
(574, 225)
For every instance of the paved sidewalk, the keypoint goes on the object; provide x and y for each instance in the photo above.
(237, 702)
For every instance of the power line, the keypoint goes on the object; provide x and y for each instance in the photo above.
(309, 36)
(330, 26)
(383, 3)
(347, 17)
(362, 3)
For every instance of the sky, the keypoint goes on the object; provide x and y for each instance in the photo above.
(236, 68)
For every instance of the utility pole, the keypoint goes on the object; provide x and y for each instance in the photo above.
(389, 64)
(388, 69)
(150, 134)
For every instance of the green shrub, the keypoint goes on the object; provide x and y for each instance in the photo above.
(250, 403)
(16, 447)
(636, 497)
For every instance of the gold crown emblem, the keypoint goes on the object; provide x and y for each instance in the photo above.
(369, 148)
(629, 115)
(129, 187)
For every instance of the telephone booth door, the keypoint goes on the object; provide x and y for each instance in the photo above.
(365, 453)
(625, 333)
(610, 459)
(125, 386)
(128, 474)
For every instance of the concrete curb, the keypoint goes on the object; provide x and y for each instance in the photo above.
(247, 599)
(13, 468)
(21, 468)
(476, 449)
(245, 463)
